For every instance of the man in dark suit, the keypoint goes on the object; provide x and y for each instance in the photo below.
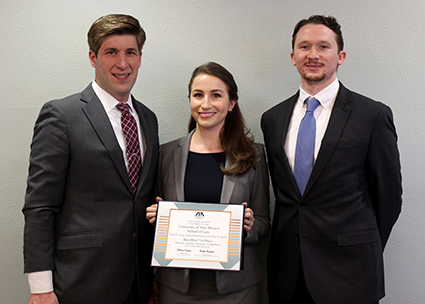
(336, 178)
(86, 239)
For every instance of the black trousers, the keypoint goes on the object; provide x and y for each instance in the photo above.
(134, 297)
(301, 294)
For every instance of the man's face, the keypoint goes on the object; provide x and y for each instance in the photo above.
(117, 64)
(316, 55)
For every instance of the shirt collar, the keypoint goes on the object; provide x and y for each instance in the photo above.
(325, 96)
(107, 100)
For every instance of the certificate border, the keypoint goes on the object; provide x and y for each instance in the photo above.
(230, 235)
(236, 236)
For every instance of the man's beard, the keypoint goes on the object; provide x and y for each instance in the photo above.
(314, 78)
(311, 77)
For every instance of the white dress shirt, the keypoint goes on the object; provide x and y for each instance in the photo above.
(109, 104)
(42, 281)
(322, 114)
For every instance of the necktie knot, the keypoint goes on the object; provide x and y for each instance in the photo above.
(312, 104)
(124, 108)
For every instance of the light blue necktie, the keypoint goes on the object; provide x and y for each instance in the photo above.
(304, 153)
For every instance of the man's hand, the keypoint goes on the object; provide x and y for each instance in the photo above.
(43, 298)
(152, 210)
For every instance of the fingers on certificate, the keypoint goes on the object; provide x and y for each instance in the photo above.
(151, 213)
(249, 218)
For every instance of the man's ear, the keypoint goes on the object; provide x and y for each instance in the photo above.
(293, 59)
(92, 57)
(341, 57)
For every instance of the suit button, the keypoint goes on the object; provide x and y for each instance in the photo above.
(134, 234)
(302, 205)
(136, 201)
(297, 237)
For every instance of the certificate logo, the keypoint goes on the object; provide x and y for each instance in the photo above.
(199, 215)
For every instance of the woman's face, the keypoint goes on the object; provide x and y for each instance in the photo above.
(209, 102)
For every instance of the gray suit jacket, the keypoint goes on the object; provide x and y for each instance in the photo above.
(81, 218)
(252, 187)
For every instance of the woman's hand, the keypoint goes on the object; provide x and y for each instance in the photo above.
(152, 210)
(249, 218)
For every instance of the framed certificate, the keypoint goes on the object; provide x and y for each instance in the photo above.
(199, 235)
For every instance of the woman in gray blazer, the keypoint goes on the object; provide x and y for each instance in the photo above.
(217, 162)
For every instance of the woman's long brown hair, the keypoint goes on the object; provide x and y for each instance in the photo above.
(235, 137)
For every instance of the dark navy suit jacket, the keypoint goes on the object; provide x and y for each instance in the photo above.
(339, 227)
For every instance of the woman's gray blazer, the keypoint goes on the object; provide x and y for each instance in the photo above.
(251, 187)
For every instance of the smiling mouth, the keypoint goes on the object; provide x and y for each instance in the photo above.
(122, 76)
(314, 65)
(206, 114)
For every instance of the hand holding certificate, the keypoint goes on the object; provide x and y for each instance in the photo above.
(198, 235)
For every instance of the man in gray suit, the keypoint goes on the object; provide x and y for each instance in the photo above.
(86, 239)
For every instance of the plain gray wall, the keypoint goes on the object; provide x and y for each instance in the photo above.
(44, 55)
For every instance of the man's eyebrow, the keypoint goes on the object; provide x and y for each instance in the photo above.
(310, 42)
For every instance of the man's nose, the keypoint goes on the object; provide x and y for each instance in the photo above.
(313, 53)
(122, 61)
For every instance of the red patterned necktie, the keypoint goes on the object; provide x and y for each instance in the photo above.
(129, 128)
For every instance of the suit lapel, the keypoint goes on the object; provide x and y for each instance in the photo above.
(228, 185)
(180, 163)
(150, 140)
(337, 121)
(98, 118)
(285, 115)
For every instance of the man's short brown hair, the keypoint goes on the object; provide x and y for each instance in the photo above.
(329, 21)
(114, 24)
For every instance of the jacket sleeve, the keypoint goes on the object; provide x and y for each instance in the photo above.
(48, 167)
(383, 173)
(259, 199)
